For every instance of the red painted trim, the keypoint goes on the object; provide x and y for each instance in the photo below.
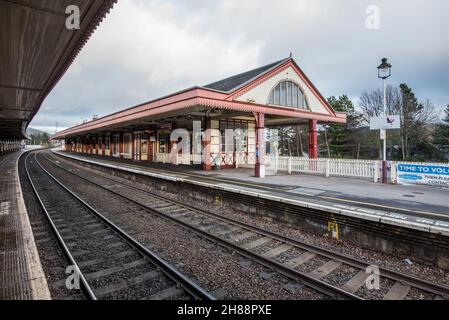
(313, 140)
(280, 111)
(208, 102)
(204, 97)
(172, 99)
(272, 73)
(258, 81)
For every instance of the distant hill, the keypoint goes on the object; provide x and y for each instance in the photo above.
(37, 137)
(31, 131)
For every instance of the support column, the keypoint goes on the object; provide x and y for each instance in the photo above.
(207, 165)
(150, 147)
(313, 141)
(96, 146)
(259, 168)
(120, 143)
(139, 146)
(111, 145)
(103, 146)
(133, 147)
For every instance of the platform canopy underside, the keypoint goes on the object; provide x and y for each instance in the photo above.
(184, 119)
(36, 49)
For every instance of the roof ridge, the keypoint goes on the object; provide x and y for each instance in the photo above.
(234, 82)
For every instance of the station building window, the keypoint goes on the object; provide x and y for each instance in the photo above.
(240, 128)
(164, 141)
(144, 144)
(287, 93)
(127, 143)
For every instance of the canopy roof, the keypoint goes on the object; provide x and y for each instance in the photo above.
(247, 93)
(36, 49)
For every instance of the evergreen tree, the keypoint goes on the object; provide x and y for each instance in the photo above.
(410, 107)
(441, 135)
(415, 120)
(339, 138)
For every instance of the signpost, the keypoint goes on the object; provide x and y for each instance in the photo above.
(384, 72)
(385, 123)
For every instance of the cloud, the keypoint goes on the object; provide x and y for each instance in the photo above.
(146, 49)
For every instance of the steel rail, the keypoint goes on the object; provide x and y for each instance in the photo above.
(191, 287)
(85, 285)
(291, 273)
(348, 260)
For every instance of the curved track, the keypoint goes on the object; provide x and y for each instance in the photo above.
(107, 262)
(264, 246)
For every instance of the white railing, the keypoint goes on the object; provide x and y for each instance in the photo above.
(224, 158)
(351, 168)
(186, 159)
(33, 146)
(361, 169)
(163, 157)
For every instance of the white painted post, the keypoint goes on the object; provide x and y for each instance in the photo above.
(327, 168)
(237, 159)
(376, 171)
(289, 165)
(276, 164)
(394, 172)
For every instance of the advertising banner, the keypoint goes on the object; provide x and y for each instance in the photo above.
(423, 174)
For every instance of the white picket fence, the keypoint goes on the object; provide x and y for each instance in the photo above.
(328, 167)
(361, 169)
(186, 159)
(33, 146)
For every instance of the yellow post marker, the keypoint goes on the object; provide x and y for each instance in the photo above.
(332, 226)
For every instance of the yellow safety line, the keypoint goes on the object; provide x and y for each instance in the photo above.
(386, 207)
(306, 194)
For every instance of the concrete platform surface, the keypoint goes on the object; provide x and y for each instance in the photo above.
(22, 276)
(420, 207)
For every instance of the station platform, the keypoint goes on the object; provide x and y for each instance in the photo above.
(22, 277)
(417, 207)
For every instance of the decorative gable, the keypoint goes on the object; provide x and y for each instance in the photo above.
(260, 93)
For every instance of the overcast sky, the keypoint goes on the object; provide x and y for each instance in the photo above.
(145, 49)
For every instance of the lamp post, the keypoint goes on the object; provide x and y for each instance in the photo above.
(384, 72)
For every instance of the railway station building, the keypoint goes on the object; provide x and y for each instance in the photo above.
(275, 95)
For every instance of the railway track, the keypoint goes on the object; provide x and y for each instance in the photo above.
(285, 255)
(106, 261)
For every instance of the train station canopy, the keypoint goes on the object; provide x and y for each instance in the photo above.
(280, 90)
(36, 49)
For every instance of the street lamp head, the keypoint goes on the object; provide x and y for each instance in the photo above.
(384, 69)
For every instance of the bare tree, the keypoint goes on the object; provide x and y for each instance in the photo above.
(413, 114)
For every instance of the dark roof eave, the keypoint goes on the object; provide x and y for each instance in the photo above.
(93, 24)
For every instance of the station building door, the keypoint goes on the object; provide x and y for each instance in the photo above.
(142, 147)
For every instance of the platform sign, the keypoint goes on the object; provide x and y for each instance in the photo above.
(385, 122)
(423, 174)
